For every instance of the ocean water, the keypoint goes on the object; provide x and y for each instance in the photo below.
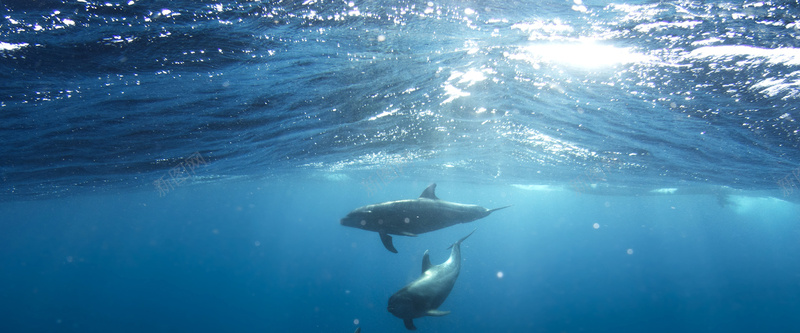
(183, 165)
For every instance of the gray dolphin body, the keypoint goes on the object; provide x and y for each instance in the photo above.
(413, 216)
(423, 296)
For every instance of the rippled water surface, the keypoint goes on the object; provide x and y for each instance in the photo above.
(100, 95)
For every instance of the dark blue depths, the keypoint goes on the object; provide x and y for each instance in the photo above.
(241, 257)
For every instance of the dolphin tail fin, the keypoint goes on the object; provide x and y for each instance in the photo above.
(461, 240)
(409, 324)
(387, 242)
(496, 209)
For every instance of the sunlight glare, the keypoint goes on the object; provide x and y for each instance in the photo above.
(583, 54)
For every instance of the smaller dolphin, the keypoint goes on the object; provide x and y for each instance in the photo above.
(413, 216)
(423, 296)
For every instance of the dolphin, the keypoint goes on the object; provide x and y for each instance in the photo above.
(423, 296)
(413, 216)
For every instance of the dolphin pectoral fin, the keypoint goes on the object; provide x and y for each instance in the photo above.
(437, 313)
(387, 242)
(426, 262)
(430, 192)
(409, 324)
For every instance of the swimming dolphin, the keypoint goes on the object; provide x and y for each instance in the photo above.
(413, 216)
(423, 296)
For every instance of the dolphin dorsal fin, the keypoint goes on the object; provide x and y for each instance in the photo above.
(430, 192)
(426, 262)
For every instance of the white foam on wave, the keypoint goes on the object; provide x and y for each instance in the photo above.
(753, 55)
(764, 208)
(647, 27)
(665, 190)
(789, 86)
(11, 47)
(538, 188)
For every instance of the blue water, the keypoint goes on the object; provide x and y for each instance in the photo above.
(182, 165)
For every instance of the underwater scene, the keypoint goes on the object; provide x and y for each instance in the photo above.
(387, 166)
